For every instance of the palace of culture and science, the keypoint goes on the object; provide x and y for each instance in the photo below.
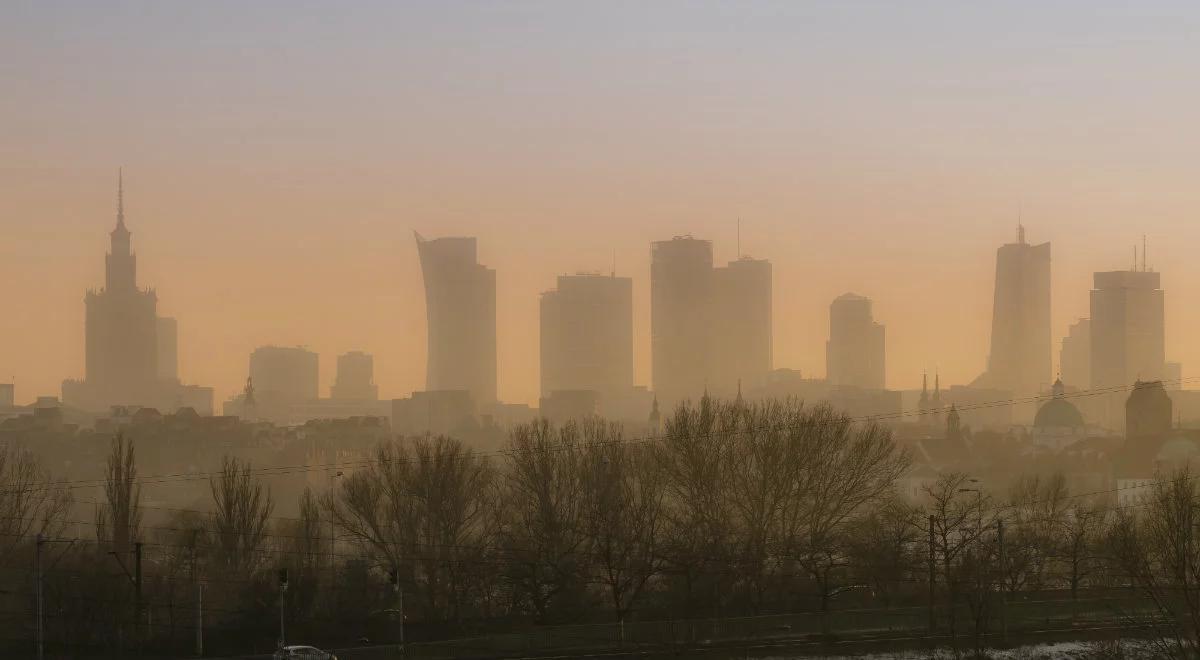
(131, 353)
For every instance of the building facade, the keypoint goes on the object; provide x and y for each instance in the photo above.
(742, 345)
(1020, 358)
(355, 380)
(854, 354)
(681, 317)
(460, 307)
(284, 374)
(586, 340)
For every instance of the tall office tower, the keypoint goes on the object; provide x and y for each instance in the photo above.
(355, 378)
(1075, 358)
(1020, 360)
(168, 349)
(854, 354)
(1127, 328)
(741, 347)
(587, 335)
(283, 374)
(681, 316)
(121, 328)
(460, 308)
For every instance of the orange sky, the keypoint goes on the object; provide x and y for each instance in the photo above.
(277, 163)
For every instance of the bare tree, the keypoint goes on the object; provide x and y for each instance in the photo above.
(429, 512)
(119, 521)
(622, 513)
(1158, 553)
(1080, 534)
(242, 509)
(884, 548)
(960, 514)
(544, 535)
(695, 455)
(1037, 514)
(843, 468)
(29, 502)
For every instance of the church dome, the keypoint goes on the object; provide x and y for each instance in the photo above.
(1058, 412)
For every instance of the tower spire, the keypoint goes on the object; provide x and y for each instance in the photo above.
(120, 198)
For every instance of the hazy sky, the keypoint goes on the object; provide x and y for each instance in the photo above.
(278, 156)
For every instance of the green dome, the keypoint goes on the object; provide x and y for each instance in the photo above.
(1058, 412)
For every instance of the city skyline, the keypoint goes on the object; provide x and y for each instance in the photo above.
(121, 275)
(289, 201)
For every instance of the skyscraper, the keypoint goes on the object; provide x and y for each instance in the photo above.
(1020, 357)
(1075, 359)
(460, 308)
(854, 354)
(1127, 343)
(742, 343)
(681, 316)
(1127, 328)
(282, 374)
(121, 328)
(355, 378)
(587, 335)
(131, 354)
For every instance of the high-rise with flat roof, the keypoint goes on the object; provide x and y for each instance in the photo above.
(1020, 357)
(742, 343)
(854, 354)
(284, 374)
(355, 379)
(1127, 338)
(681, 317)
(1127, 328)
(587, 335)
(460, 309)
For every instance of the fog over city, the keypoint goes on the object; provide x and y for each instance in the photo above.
(574, 329)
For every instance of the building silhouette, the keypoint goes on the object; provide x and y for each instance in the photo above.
(130, 352)
(1127, 337)
(1020, 357)
(587, 335)
(1148, 412)
(854, 354)
(1127, 329)
(741, 350)
(681, 317)
(355, 379)
(710, 328)
(284, 374)
(460, 307)
(1075, 358)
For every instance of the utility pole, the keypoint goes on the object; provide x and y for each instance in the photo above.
(199, 620)
(1003, 583)
(41, 653)
(283, 587)
(137, 584)
(199, 600)
(399, 590)
(932, 578)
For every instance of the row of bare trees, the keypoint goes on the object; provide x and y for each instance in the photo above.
(732, 498)
(735, 509)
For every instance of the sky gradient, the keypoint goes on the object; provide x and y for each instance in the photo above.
(279, 156)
